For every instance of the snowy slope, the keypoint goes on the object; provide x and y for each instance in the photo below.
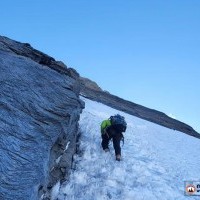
(156, 162)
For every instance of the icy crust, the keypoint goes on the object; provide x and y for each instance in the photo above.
(156, 161)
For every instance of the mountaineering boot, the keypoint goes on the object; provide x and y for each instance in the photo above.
(118, 157)
(106, 150)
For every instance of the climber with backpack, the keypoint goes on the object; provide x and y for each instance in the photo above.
(112, 129)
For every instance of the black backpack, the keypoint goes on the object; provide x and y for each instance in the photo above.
(119, 121)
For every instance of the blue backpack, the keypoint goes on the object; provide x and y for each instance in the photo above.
(119, 121)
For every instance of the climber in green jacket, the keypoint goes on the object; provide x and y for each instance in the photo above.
(112, 128)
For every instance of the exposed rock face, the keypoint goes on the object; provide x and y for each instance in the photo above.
(85, 82)
(136, 110)
(39, 113)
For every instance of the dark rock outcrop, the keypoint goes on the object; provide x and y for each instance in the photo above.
(134, 109)
(39, 113)
(85, 82)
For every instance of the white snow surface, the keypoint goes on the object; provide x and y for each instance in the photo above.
(155, 161)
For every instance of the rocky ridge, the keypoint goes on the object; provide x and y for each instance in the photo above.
(137, 110)
(40, 109)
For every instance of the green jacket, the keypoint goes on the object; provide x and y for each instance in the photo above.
(106, 123)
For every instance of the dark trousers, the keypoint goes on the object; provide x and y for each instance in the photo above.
(116, 141)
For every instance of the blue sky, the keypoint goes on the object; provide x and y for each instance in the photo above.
(145, 51)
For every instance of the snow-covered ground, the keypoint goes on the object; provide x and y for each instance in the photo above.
(156, 162)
